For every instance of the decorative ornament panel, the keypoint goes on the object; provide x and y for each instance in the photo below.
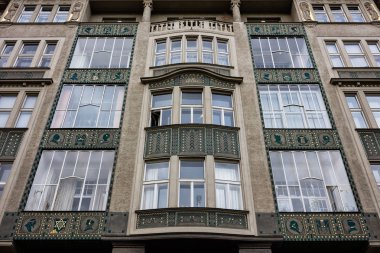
(107, 29)
(371, 142)
(10, 140)
(95, 76)
(323, 226)
(276, 29)
(279, 76)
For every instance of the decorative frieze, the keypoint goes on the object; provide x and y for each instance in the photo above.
(302, 139)
(59, 225)
(192, 217)
(323, 226)
(279, 76)
(190, 140)
(371, 141)
(191, 25)
(89, 76)
(107, 29)
(354, 74)
(10, 140)
(276, 29)
(81, 139)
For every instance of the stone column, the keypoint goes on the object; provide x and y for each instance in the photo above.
(148, 6)
(235, 6)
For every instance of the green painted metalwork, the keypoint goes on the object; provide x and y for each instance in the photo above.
(192, 140)
(323, 226)
(81, 139)
(290, 29)
(60, 225)
(10, 140)
(277, 76)
(301, 139)
(107, 29)
(371, 141)
(94, 76)
(192, 217)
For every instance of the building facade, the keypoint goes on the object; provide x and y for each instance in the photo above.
(247, 126)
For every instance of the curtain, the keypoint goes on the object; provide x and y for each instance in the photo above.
(65, 193)
(221, 196)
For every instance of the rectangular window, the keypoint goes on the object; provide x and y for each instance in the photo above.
(227, 184)
(311, 181)
(338, 13)
(47, 54)
(191, 50)
(175, 51)
(102, 52)
(207, 51)
(293, 106)
(191, 107)
(155, 186)
(71, 181)
(7, 102)
(376, 173)
(26, 55)
(356, 111)
(161, 110)
(26, 110)
(375, 51)
(5, 53)
(62, 14)
(276, 52)
(89, 106)
(320, 13)
(334, 54)
(5, 171)
(222, 109)
(356, 13)
(192, 184)
(374, 105)
(160, 53)
(26, 14)
(356, 54)
(44, 14)
(223, 52)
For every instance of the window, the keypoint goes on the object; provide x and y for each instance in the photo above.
(320, 13)
(356, 111)
(47, 54)
(5, 53)
(375, 51)
(89, 106)
(311, 181)
(334, 54)
(293, 106)
(102, 52)
(191, 184)
(275, 52)
(374, 105)
(227, 184)
(26, 55)
(71, 181)
(155, 186)
(338, 13)
(208, 50)
(355, 54)
(5, 171)
(356, 14)
(26, 14)
(16, 109)
(62, 14)
(161, 110)
(43, 15)
(222, 110)
(376, 173)
(191, 107)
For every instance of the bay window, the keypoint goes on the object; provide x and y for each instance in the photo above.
(222, 109)
(191, 184)
(191, 107)
(227, 184)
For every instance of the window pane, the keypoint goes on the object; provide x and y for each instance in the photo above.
(221, 100)
(162, 100)
(192, 170)
(199, 195)
(227, 171)
(156, 171)
(185, 195)
(7, 101)
(191, 98)
(162, 196)
(185, 116)
(23, 119)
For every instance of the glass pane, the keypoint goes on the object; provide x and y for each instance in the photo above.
(277, 168)
(199, 195)
(222, 46)
(191, 170)
(186, 116)
(207, 45)
(23, 119)
(68, 168)
(7, 101)
(156, 171)
(197, 116)
(161, 47)
(208, 58)
(5, 171)
(358, 61)
(185, 195)
(148, 197)
(359, 120)
(221, 196)
(373, 101)
(217, 117)
(176, 45)
(162, 197)
(166, 117)
(227, 171)
(87, 116)
(191, 98)
(161, 100)
(221, 100)
(191, 44)
(228, 118)
(23, 62)
(235, 201)
(191, 57)
(107, 163)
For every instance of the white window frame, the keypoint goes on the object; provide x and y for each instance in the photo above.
(160, 54)
(331, 55)
(375, 54)
(45, 14)
(47, 55)
(221, 53)
(358, 11)
(59, 14)
(175, 52)
(28, 110)
(4, 55)
(192, 107)
(349, 54)
(161, 109)
(206, 51)
(338, 12)
(25, 13)
(223, 109)
(321, 12)
(27, 56)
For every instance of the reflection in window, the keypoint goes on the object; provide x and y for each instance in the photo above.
(311, 181)
(5, 53)
(47, 54)
(375, 51)
(374, 105)
(356, 13)
(338, 13)
(155, 186)
(192, 186)
(320, 13)
(62, 14)
(89, 106)
(7, 102)
(161, 110)
(43, 15)
(5, 171)
(191, 107)
(102, 52)
(26, 55)
(71, 181)
(160, 53)
(227, 184)
(222, 110)
(175, 51)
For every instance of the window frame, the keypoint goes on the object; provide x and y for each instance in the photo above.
(3, 183)
(331, 55)
(324, 12)
(192, 107)
(30, 14)
(161, 109)
(223, 109)
(43, 13)
(349, 54)
(59, 13)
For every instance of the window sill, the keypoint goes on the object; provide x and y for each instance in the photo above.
(24, 76)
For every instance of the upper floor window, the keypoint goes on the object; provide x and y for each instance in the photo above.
(43, 15)
(89, 106)
(338, 13)
(6, 52)
(26, 14)
(16, 109)
(222, 109)
(375, 51)
(191, 49)
(47, 54)
(356, 13)
(71, 181)
(227, 184)
(161, 110)
(293, 106)
(320, 13)
(5, 171)
(26, 54)
(191, 107)
(376, 172)
(334, 54)
(192, 184)
(365, 109)
(62, 14)
(102, 52)
(355, 54)
(278, 52)
(311, 181)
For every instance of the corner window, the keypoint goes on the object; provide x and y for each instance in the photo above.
(5, 171)
(71, 181)
(311, 181)
(192, 184)
(191, 107)
(89, 106)
(227, 184)
(161, 110)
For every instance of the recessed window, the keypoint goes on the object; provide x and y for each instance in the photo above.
(71, 181)
(356, 111)
(16, 109)
(375, 51)
(222, 109)
(26, 14)
(334, 54)
(207, 51)
(43, 15)
(192, 184)
(7, 102)
(191, 50)
(26, 55)
(5, 171)
(320, 13)
(160, 53)
(161, 110)
(62, 14)
(338, 13)
(5, 53)
(47, 54)
(355, 54)
(175, 51)
(191, 107)
(356, 13)
(26, 110)
(227, 184)
(374, 105)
